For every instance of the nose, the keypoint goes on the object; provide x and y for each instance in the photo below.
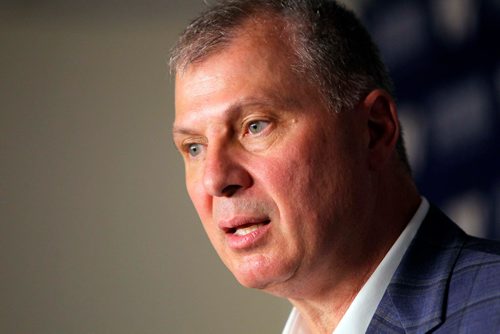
(223, 175)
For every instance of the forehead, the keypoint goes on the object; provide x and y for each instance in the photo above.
(259, 37)
(215, 35)
(258, 57)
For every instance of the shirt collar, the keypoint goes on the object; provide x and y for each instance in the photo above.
(363, 307)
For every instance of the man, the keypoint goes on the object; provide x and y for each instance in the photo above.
(296, 166)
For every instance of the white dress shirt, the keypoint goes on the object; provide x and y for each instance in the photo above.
(363, 307)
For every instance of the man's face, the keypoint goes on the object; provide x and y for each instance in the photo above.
(279, 181)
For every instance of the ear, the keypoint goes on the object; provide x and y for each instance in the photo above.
(383, 127)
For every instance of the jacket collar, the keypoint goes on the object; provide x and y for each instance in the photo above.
(416, 297)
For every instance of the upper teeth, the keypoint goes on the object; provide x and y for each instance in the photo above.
(246, 230)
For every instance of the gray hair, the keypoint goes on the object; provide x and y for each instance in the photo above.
(332, 48)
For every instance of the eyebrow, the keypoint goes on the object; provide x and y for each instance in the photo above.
(266, 102)
(177, 130)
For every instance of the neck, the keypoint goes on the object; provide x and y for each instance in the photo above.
(394, 206)
(323, 314)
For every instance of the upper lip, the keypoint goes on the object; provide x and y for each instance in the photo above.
(230, 225)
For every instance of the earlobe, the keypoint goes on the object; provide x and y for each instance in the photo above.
(383, 127)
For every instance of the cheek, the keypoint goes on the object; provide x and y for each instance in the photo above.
(307, 181)
(201, 201)
(203, 206)
(287, 182)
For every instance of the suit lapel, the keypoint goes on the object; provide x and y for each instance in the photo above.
(415, 300)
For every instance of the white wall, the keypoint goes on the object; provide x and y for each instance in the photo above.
(97, 234)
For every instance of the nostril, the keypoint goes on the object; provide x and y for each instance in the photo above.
(230, 189)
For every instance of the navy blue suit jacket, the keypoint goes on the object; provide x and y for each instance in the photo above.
(447, 282)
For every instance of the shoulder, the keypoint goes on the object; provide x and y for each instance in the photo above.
(446, 282)
(477, 269)
(474, 286)
(478, 263)
(481, 247)
(459, 275)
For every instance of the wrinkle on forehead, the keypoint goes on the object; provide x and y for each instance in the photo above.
(181, 125)
(255, 68)
(263, 24)
(265, 27)
(246, 56)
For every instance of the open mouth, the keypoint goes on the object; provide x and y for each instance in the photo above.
(246, 228)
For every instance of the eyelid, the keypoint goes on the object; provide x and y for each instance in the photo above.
(186, 143)
(247, 122)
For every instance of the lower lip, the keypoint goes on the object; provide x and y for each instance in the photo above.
(248, 240)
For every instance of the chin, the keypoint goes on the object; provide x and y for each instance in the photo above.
(263, 275)
(253, 283)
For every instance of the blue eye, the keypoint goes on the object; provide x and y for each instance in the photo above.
(194, 149)
(257, 126)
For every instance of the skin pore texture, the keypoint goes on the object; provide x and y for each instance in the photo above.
(297, 200)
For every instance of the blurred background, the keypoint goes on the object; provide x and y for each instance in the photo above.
(97, 234)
